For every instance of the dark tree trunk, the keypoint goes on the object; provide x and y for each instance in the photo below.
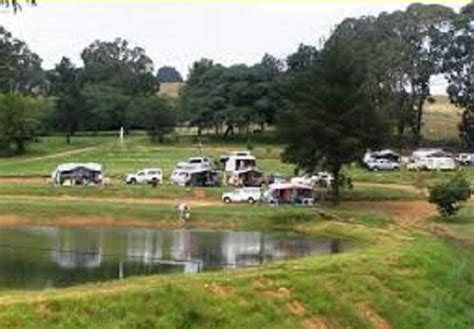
(336, 172)
(418, 123)
(20, 146)
(229, 131)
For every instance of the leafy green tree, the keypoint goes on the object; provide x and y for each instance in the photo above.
(168, 74)
(106, 107)
(15, 4)
(113, 75)
(20, 68)
(236, 96)
(118, 65)
(332, 118)
(21, 119)
(458, 66)
(156, 115)
(448, 196)
(304, 57)
(420, 34)
(66, 87)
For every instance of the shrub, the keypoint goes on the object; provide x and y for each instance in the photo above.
(449, 195)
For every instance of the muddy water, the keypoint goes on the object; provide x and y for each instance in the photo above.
(46, 257)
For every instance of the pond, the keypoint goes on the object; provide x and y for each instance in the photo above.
(47, 257)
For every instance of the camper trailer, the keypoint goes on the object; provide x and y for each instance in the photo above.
(203, 178)
(431, 159)
(78, 174)
(289, 193)
(238, 161)
(432, 163)
(196, 177)
(247, 178)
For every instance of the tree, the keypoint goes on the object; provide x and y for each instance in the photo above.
(113, 75)
(20, 68)
(106, 107)
(235, 96)
(332, 118)
(15, 4)
(304, 57)
(118, 65)
(66, 85)
(421, 33)
(167, 74)
(448, 196)
(155, 114)
(458, 66)
(20, 120)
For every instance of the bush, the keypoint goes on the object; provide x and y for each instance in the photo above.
(449, 195)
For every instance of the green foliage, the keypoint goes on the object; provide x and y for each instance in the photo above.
(458, 63)
(236, 96)
(16, 5)
(449, 195)
(333, 118)
(20, 68)
(21, 120)
(304, 57)
(156, 115)
(66, 85)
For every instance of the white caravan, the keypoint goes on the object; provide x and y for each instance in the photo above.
(238, 161)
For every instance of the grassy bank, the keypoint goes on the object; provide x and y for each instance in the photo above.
(417, 283)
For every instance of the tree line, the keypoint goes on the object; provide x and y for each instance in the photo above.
(366, 86)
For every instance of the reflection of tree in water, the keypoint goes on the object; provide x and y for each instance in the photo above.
(335, 246)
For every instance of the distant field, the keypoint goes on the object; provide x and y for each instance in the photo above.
(136, 153)
(441, 120)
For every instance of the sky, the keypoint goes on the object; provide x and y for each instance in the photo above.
(179, 33)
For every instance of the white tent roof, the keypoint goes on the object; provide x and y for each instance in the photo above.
(289, 186)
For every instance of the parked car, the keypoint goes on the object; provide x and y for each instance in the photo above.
(179, 177)
(465, 159)
(382, 164)
(145, 176)
(246, 194)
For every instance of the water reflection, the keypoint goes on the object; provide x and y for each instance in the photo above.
(36, 257)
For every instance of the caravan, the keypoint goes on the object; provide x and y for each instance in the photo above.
(238, 161)
(431, 159)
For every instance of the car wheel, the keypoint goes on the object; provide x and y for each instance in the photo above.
(251, 200)
(227, 200)
(133, 181)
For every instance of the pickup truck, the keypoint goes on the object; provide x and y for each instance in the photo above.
(247, 194)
